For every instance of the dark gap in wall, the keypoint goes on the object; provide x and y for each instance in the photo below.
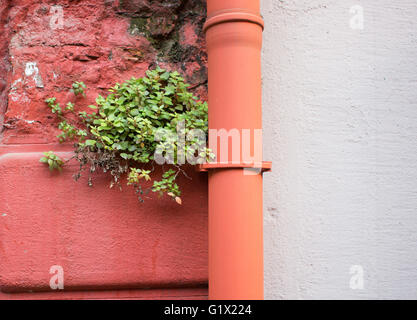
(162, 22)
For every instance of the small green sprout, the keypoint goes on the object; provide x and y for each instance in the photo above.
(136, 174)
(55, 108)
(52, 160)
(78, 88)
(70, 106)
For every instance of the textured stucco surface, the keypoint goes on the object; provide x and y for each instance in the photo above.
(102, 238)
(340, 124)
(47, 45)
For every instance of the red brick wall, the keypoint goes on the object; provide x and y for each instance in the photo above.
(100, 42)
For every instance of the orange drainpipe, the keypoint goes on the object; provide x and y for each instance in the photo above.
(234, 40)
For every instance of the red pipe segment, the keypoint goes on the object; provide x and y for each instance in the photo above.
(234, 41)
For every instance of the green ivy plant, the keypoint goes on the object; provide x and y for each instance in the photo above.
(120, 135)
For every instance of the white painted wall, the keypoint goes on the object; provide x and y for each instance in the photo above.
(340, 125)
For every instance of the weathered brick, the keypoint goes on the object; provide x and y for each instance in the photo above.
(100, 43)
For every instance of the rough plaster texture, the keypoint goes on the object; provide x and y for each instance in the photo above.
(47, 45)
(340, 124)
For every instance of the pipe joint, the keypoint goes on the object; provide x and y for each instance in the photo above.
(264, 166)
(233, 15)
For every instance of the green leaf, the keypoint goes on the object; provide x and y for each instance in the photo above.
(90, 142)
(134, 112)
(165, 76)
(107, 139)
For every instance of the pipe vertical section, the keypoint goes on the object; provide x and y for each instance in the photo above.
(234, 40)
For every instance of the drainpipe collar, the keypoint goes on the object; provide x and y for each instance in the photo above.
(232, 16)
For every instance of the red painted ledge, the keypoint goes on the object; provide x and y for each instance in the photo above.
(103, 238)
(135, 294)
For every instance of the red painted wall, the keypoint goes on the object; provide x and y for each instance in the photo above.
(104, 239)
